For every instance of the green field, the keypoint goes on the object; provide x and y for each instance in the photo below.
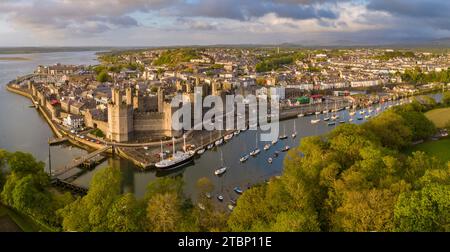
(11, 221)
(439, 149)
(440, 117)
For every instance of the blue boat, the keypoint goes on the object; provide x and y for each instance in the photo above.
(238, 190)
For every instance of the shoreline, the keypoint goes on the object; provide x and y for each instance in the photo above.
(125, 150)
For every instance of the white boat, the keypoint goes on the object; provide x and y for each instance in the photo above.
(270, 160)
(350, 120)
(237, 132)
(220, 197)
(230, 207)
(317, 113)
(256, 151)
(300, 115)
(201, 151)
(286, 148)
(267, 146)
(218, 142)
(315, 121)
(284, 136)
(326, 118)
(244, 158)
(362, 112)
(210, 146)
(352, 113)
(274, 141)
(294, 134)
(228, 137)
(222, 169)
(178, 159)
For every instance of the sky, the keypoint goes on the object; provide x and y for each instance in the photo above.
(208, 22)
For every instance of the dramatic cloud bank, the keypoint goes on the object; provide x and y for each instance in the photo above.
(169, 22)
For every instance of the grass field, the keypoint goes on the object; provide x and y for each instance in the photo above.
(440, 117)
(11, 221)
(439, 149)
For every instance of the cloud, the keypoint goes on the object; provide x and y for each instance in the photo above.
(227, 20)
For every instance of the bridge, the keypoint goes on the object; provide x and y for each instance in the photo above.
(79, 161)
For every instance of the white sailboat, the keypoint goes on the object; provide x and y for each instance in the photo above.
(222, 169)
(294, 134)
(317, 120)
(284, 136)
(256, 151)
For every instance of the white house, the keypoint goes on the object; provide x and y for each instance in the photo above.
(73, 121)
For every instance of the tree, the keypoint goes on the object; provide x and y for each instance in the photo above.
(164, 213)
(446, 98)
(419, 124)
(103, 76)
(90, 213)
(365, 211)
(391, 129)
(426, 210)
(125, 215)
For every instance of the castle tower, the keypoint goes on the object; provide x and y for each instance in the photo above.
(120, 118)
(161, 99)
(129, 96)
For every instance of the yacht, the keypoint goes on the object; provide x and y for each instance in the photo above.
(228, 137)
(284, 136)
(178, 159)
(238, 190)
(222, 169)
(294, 134)
(256, 151)
(315, 121)
(219, 142)
(244, 158)
(286, 148)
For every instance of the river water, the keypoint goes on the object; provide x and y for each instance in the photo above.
(23, 129)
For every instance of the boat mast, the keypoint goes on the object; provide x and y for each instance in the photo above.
(173, 146)
(162, 153)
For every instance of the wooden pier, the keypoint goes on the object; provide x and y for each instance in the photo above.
(55, 141)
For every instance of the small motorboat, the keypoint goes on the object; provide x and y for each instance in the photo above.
(255, 152)
(269, 160)
(220, 171)
(274, 142)
(286, 148)
(201, 151)
(244, 158)
(300, 115)
(228, 137)
(331, 123)
(267, 147)
(276, 154)
(220, 197)
(230, 207)
(238, 190)
(315, 121)
(210, 146)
